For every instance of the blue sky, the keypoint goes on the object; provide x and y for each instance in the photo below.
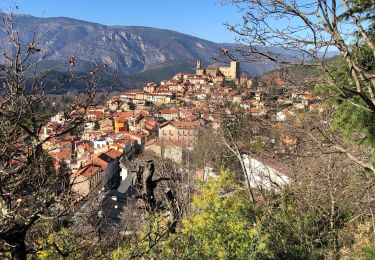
(201, 18)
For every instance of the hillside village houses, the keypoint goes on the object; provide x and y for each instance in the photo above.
(180, 130)
(164, 118)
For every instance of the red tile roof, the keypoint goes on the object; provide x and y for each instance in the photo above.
(63, 155)
(169, 111)
(116, 146)
(185, 124)
(99, 162)
(135, 134)
(86, 147)
(126, 114)
(144, 113)
(123, 140)
(120, 119)
(112, 153)
(87, 171)
(95, 113)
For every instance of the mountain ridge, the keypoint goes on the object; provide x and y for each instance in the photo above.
(127, 50)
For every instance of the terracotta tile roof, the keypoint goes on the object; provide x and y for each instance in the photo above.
(63, 155)
(81, 142)
(144, 113)
(251, 101)
(116, 136)
(169, 111)
(112, 153)
(135, 134)
(120, 119)
(100, 162)
(126, 114)
(95, 113)
(53, 140)
(117, 145)
(86, 147)
(123, 140)
(279, 81)
(255, 110)
(87, 171)
(150, 120)
(149, 126)
(206, 116)
(96, 133)
(71, 138)
(288, 112)
(185, 124)
(64, 143)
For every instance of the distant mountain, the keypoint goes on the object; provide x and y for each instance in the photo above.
(126, 49)
(138, 52)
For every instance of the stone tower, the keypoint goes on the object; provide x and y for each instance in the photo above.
(235, 69)
(198, 68)
(199, 65)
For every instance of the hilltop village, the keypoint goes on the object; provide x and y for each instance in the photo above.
(166, 119)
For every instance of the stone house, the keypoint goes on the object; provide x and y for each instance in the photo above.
(96, 174)
(184, 131)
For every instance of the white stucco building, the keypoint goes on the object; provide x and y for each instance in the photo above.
(264, 175)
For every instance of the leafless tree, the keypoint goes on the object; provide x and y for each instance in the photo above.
(31, 190)
(325, 181)
(295, 32)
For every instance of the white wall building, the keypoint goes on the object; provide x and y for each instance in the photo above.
(262, 175)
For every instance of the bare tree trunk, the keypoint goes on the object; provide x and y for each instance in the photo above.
(18, 246)
(19, 251)
(149, 185)
(333, 210)
(173, 208)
